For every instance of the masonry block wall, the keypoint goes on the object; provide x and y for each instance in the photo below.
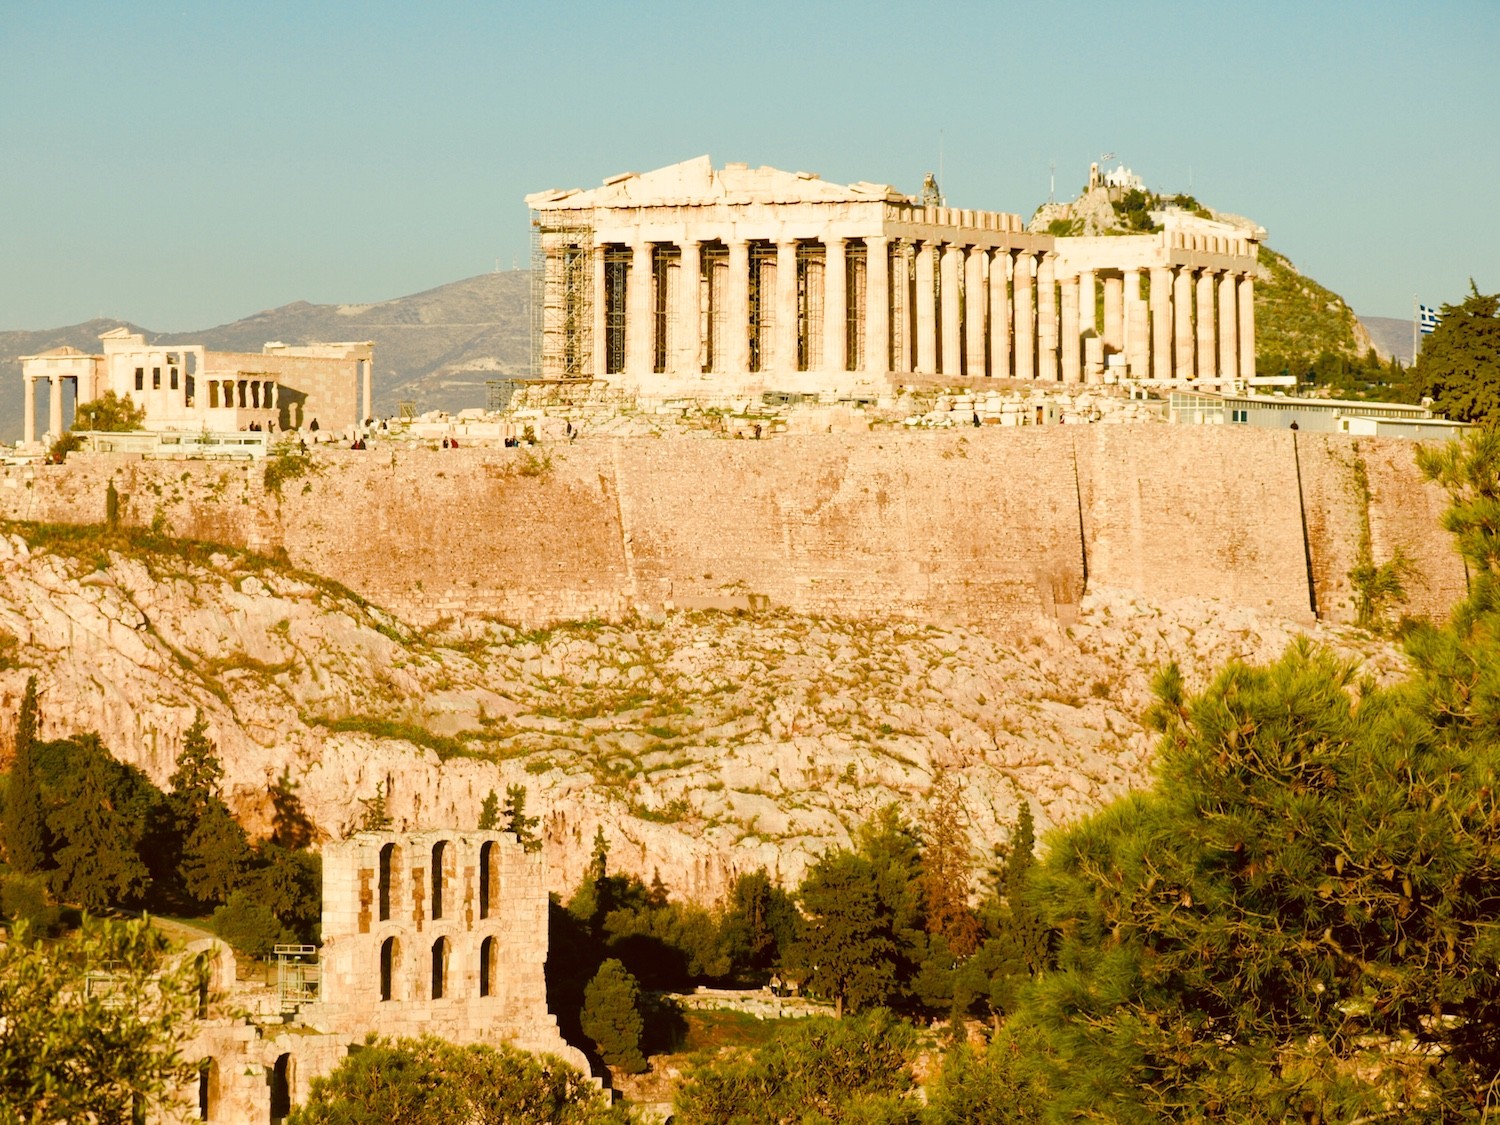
(436, 932)
(988, 526)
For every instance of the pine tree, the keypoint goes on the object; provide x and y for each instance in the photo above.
(517, 822)
(97, 862)
(198, 775)
(947, 860)
(489, 812)
(848, 947)
(27, 844)
(612, 1016)
(1459, 364)
(215, 855)
(375, 818)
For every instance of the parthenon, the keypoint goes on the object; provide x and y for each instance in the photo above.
(794, 284)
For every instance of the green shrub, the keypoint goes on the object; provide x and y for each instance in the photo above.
(612, 1016)
(249, 926)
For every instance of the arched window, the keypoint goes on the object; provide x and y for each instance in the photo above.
(486, 966)
(206, 1083)
(486, 857)
(388, 867)
(439, 853)
(281, 1089)
(439, 968)
(390, 957)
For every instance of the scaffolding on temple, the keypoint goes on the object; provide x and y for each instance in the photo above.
(562, 295)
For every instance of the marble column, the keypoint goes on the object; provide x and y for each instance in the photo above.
(1046, 319)
(1088, 303)
(835, 306)
(600, 325)
(1137, 343)
(877, 305)
(1160, 297)
(999, 315)
(952, 309)
(54, 403)
(784, 357)
(736, 337)
(926, 310)
(1072, 296)
(1247, 326)
(1229, 349)
(1114, 313)
(640, 323)
(29, 417)
(689, 341)
(1025, 319)
(976, 298)
(1182, 324)
(903, 269)
(1204, 322)
(369, 387)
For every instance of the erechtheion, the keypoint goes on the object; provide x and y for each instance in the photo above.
(692, 280)
(186, 387)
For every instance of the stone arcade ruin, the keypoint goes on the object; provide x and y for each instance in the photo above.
(703, 282)
(441, 933)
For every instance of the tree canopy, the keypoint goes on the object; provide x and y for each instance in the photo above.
(429, 1082)
(109, 413)
(1459, 364)
(89, 1025)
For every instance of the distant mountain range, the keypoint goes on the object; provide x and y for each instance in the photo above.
(436, 349)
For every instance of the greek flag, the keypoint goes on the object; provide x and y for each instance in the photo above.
(1428, 318)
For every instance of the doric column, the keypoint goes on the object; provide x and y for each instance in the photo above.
(784, 357)
(926, 310)
(904, 330)
(1160, 297)
(29, 431)
(1137, 330)
(688, 360)
(1182, 324)
(369, 387)
(600, 325)
(640, 324)
(1025, 319)
(952, 306)
(1229, 348)
(736, 338)
(1204, 321)
(1247, 326)
(1088, 300)
(999, 315)
(1072, 296)
(1114, 313)
(877, 305)
(976, 298)
(1046, 319)
(835, 305)
(54, 412)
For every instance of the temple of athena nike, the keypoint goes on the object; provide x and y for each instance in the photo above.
(704, 282)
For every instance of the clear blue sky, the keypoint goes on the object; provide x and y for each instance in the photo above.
(184, 165)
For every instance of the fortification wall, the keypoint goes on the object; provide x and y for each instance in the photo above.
(991, 525)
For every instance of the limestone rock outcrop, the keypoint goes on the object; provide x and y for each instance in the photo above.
(705, 743)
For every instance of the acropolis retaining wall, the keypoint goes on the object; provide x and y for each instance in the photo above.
(984, 525)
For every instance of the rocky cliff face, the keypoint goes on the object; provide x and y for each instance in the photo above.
(706, 744)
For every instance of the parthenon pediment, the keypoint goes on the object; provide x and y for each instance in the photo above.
(697, 182)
